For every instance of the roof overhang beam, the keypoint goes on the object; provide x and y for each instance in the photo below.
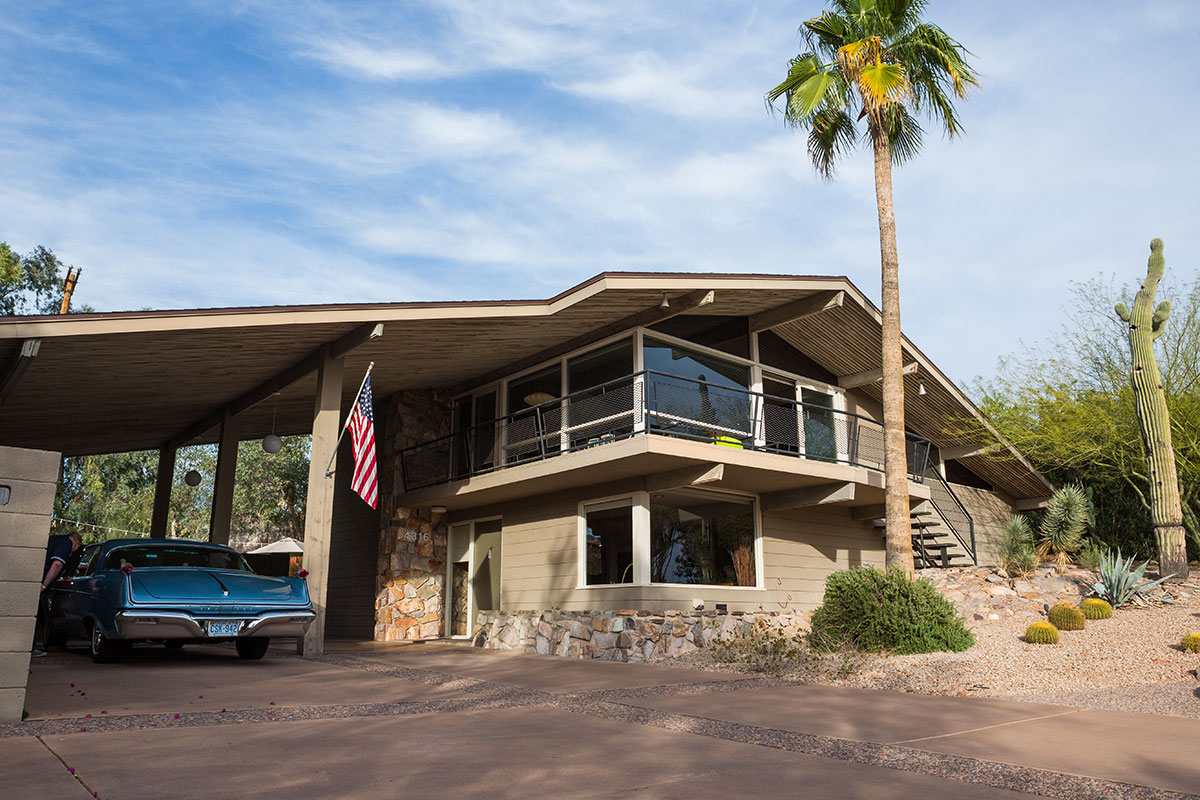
(871, 376)
(306, 366)
(809, 496)
(688, 476)
(968, 450)
(17, 365)
(670, 307)
(795, 310)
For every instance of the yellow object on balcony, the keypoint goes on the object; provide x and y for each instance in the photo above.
(728, 441)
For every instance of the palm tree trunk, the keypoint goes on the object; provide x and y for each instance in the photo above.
(899, 524)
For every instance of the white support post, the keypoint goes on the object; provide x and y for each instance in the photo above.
(318, 510)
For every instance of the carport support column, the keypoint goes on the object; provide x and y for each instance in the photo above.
(222, 506)
(162, 493)
(318, 508)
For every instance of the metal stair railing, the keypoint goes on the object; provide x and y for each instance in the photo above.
(950, 509)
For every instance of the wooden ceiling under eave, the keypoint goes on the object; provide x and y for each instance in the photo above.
(846, 340)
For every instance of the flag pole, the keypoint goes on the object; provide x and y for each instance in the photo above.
(329, 467)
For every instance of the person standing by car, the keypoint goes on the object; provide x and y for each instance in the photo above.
(59, 550)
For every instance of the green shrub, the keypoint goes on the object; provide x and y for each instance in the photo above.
(1095, 608)
(1090, 555)
(1041, 633)
(1017, 555)
(761, 648)
(876, 611)
(1191, 643)
(1066, 617)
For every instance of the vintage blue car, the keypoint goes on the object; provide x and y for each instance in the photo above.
(175, 592)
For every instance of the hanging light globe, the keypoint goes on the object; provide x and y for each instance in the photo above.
(192, 478)
(272, 443)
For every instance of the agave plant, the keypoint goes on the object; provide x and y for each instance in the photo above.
(1120, 580)
(1062, 528)
(1016, 546)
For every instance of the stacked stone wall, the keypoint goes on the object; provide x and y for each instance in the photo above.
(412, 543)
(635, 636)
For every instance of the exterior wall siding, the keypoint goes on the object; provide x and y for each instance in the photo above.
(989, 511)
(800, 548)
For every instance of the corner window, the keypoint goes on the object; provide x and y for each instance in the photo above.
(702, 538)
(608, 543)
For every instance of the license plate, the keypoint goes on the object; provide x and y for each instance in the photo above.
(222, 628)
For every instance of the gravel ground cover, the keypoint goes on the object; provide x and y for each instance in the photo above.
(1131, 662)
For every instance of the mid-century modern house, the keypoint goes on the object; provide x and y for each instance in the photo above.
(651, 449)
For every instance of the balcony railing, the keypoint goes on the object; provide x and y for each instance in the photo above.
(659, 404)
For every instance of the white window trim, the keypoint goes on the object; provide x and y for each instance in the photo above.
(639, 503)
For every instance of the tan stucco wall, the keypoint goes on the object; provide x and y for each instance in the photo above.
(541, 554)
(990, 512)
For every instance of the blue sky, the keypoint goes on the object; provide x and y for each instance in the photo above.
(246, 153)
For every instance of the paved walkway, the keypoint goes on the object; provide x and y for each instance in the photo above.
(445, 721)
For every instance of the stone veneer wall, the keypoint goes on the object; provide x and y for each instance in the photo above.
(412, 541)
(620, 635)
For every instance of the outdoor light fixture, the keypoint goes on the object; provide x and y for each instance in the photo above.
(920, 388)
(665, 302)
(438, 509)
(192, 478)
(272, 443)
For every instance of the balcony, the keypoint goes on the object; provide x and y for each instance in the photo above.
(651, 404)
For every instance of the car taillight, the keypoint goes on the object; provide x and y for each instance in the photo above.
(302, 573)
(127, 568)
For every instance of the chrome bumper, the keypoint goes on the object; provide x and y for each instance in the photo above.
(180, 625)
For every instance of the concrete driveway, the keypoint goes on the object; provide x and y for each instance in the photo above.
(449, 721)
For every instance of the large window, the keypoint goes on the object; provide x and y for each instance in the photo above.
(608, 547)
(535, 411)
(701, 538)
(700, 396)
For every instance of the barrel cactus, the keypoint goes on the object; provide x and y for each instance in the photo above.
(1191, 643)
(1095, 608)
(1041, 633)
(1066, 617)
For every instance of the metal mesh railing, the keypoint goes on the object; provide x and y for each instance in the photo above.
(660, 404)
(953, 513)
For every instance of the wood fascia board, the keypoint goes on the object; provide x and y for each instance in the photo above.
(301, 369)
(796, 309)
(808, 496)
(871, 376)
(968, 450)
(647, 316)
(688, 476)
(17, 365)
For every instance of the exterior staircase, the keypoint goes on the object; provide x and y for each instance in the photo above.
(943, 531)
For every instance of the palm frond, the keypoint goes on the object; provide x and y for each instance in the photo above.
(809, 86)
(832, 134)
(905, 134)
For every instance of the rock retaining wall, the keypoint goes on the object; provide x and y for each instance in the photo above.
(619, 635)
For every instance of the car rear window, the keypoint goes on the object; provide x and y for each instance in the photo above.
(175, 556)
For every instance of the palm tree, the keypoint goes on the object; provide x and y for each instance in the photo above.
(878, 61)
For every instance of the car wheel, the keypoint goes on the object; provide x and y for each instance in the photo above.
(104, 649)
(253, 649)
(173, 644)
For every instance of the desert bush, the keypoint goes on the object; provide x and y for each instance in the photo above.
(1120, 581)
(1191, 643)
(1017, 555)
(1066, 617)
(1041, 633)
(1095, 608)
(1063, 526)
(1090, 555)
(876, 611)
(760, 648)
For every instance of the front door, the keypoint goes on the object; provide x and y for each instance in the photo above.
(473, 574)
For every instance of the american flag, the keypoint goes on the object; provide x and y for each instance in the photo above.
(362, 438)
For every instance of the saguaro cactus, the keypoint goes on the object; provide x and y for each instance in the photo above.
(1146, 323)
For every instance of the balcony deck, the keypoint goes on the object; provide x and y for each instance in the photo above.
(648, 456)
